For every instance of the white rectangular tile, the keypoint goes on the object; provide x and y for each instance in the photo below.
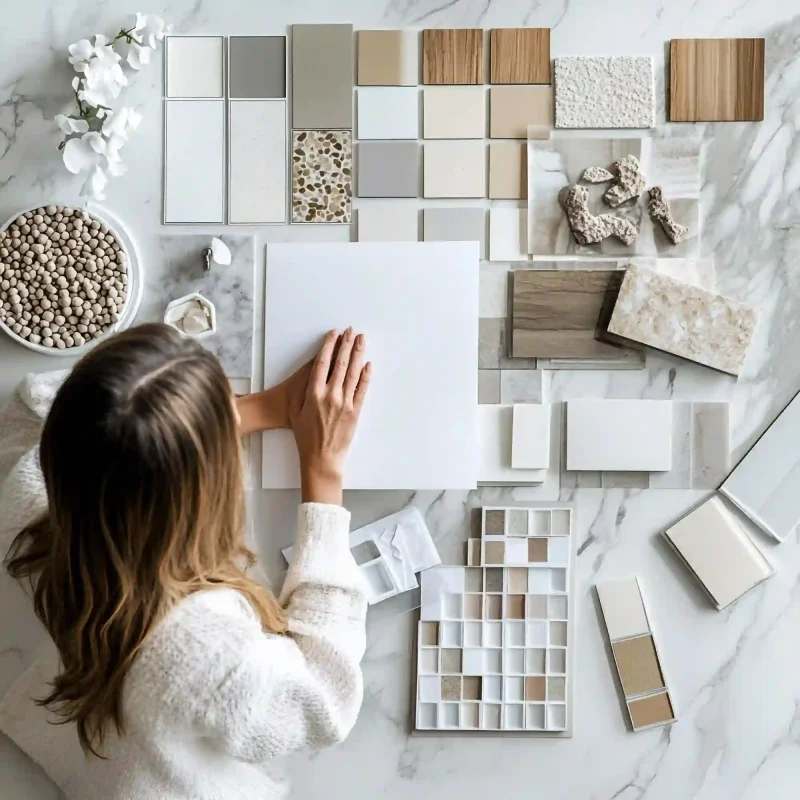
(454, 112)
(388, 223)
(508, 236)
(194, 161)
(388, 113)
(530, 442)
(195, 66)
(454, 169)
(619, 435)
(257, 158)
(623, 609)
(495, 434)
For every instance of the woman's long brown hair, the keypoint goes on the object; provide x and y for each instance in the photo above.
(142, 462)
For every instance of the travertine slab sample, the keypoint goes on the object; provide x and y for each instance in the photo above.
(629, 182)
(590, 229)
(683, 320)
(659, 212)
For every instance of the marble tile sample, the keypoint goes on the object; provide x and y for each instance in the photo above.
(322, 175)
(619, 435)
(716, 80)
(419, 275)
(710, 445)
(177, 269)
(683, 320)
(454, 112)
(388, 169)
(455, 225)
(322, 77)
(508, 174)
(195, 66)
(256, 67)
(766, 483)
(388, 222)
(388, 113)
(257, 180)
(452, 56)
(605, 92)
(718, 552)
(388, 58)
(507, 234)
(519, 55)
(520, 386)
(556, 313)
(530, 438)
(194, 156)
(680, 476)
(454, 169)
(489, 387)
(520, 112)
(673, 162)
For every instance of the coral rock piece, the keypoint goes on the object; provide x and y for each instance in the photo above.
(629, 182)
(589, 229)
(659, 212)
(597, 175)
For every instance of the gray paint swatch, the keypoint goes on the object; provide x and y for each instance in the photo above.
(456, 225)
(710, 445)
(257, 67)
(388, 169)
(322, 76)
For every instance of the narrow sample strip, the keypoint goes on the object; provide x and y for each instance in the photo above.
(495, 436)
(530, 442)
(507, 234)
(508, 173)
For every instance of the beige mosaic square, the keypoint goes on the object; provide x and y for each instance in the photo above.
(322, 176)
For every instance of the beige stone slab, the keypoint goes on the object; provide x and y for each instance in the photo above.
(508, 174)
(514, 108)
(388, 58)
(455, 169)
(454, 112)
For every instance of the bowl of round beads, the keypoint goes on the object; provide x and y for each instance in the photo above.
(68, 278)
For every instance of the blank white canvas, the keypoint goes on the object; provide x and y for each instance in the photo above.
(530, 438)
(623, 608)
(619, 435)
(417, 303)
(257, 189)
(495, 424)
(508, 234)
(194, 161)
(194, 66)
(388, 223)
(388, 113)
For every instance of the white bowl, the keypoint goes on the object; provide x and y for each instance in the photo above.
(205, 302)
(135, 281)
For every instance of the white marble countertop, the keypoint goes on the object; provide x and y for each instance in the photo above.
(734, 674)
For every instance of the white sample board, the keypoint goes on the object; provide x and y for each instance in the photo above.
(619, 435)
(495, 444)
(417, 304)
(195, 66)
(530, 441)
(388, 113)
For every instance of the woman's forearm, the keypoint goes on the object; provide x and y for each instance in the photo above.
(263, 411)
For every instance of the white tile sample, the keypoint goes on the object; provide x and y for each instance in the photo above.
(312, 288)
(388, 113)
(454, 169)
(435, 584)
(495, 435)
(454, 112)
(619, 435)
(623, 609)
(257, 158)
(605, 92)
(718, 551)
(530, 441)
(766, 483)
(508, 240)
(194, 161)
(194, 66)
(388, 223)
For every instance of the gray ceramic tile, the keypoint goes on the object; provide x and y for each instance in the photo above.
(570, 479)
(520, 386)
(257, 67)
(491, 340)
(488, 387)
(625, 480)
(456, 225)
(679, 477)
(710, 445)
(388, 169)
(322, 76)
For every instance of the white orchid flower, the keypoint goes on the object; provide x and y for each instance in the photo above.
(116, 168)
(76, 82)
(103, 81)
(120, 123)
(95, 184)
(138, 55)
(70, 125)
(153, 30)
(79, 53)
(113, 146)
(79, 154)
(220, 252)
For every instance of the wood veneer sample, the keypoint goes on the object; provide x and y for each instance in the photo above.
(519, 55)
(652, 710)
(716, 80)
(556, 313)
(452, 56)
(639, 670)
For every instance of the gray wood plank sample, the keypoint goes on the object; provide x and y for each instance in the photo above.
(322, 77)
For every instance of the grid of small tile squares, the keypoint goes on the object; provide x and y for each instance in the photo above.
(493, 639)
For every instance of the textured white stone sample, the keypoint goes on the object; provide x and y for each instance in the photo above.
(605, 92)
(629, 182)
(597, 175)
(659, 212)
(590, 229)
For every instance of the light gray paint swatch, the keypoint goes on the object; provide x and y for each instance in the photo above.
(322, 76)
(710, 445)
(257, 67)
(456, 225)
(766, 484)
(388, 169)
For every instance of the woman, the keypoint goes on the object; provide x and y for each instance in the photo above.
(179, 675)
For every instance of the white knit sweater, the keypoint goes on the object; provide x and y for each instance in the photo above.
(211, 699)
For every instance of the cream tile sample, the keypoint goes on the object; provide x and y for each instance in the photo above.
(507, 234)
(455, 112)
(512, 109)
(388, 58)
(530, 441)
(720, 554)
(766, 483)
(495, 435)
(388, 223)
(683, 320)
(619, 435)
(388, 113)
(623, 609)
(508, 174)
(605, 92)
(455, 169)
(195, 66)
(455, 225)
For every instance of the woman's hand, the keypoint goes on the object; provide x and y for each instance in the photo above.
(267, 410)
(324, 419)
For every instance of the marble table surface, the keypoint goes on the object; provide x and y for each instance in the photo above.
(733, 674)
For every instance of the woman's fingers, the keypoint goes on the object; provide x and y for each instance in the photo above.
(354, 368)
(342, 360)
(322, 363)
(363, 385)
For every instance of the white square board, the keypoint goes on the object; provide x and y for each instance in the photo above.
(388, 113)
(417, 303)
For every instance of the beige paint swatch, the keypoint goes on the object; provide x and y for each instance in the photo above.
(508, 174)
(455, 169)
(653, 710)
(514, 108)
(454, 112)
(388, 58)
(638, 666)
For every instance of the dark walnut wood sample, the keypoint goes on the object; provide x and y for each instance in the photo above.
(452, 56)
(716, 80)
(519, 55)
(559, 313)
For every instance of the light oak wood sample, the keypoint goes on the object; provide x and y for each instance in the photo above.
(556, 313)
(716, 80)
(453, 56)
(519, 55)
